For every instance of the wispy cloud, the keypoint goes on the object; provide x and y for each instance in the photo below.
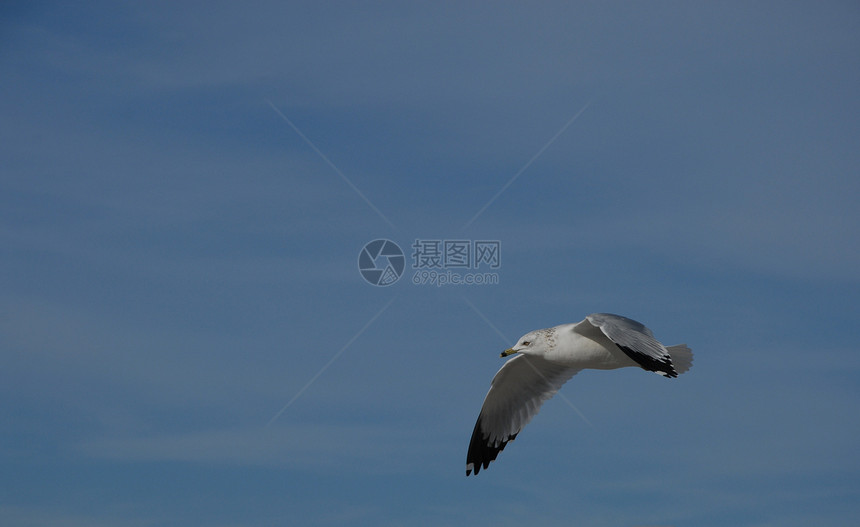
(299, 446)
(329, 363)
(99, 517)
(528, 164)
(330, 164)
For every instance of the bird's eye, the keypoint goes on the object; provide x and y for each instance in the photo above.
(526, 343)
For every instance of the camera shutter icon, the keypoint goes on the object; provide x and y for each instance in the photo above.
(381, 262)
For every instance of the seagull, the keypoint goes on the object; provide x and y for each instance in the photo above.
(548, 358)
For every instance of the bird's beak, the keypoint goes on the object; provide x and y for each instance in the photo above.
(509, 351)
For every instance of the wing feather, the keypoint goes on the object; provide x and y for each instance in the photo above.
(636, 341)
(517, 392)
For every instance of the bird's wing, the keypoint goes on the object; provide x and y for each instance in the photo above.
(517, 392)
(636, 341)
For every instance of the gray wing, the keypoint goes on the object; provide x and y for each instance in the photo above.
(517, 392)
(636, 341)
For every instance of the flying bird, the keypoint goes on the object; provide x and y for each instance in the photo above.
(547, 358)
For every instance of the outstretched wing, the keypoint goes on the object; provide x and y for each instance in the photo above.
(636, 341)
(518, 390)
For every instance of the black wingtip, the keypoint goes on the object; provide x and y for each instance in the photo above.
(663, 367)
(482, 451)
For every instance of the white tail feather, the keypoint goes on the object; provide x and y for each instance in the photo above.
(682, 357)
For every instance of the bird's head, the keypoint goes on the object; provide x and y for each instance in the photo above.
(533, 343)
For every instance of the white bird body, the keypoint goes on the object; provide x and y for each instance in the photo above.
(592, 352)
(547, 358)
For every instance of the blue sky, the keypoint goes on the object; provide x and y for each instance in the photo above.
(178, 263)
